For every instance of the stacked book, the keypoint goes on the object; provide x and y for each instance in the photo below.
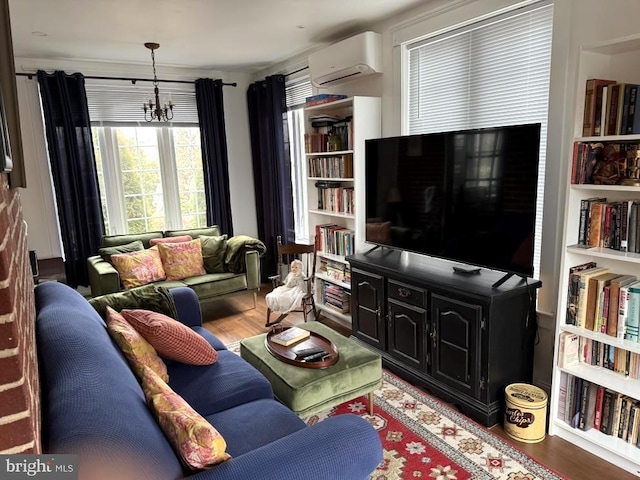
(322, 98)
(603, 301)
(331, 166)
(335, 239)
(336, 297)
(609, 224)
(336, 270)
(585, 405)
(610, 108)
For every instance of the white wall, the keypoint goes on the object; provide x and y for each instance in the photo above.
(38, 201)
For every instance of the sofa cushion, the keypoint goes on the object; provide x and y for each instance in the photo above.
(149, 297)
(182, 260)
(213, 388)
(194, 232)
(113, 240)
(276, 421)
(196, 441)
(170, 338)
(138, 352)
(106, 252)
(214, 284)
(139, 268)
(213, 250)
(181, 238)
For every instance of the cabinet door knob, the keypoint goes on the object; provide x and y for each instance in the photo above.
(404, 293)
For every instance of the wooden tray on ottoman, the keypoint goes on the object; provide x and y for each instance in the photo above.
(287, 354)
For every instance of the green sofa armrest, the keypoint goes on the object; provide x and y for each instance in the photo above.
(103, 277)
(252, 263)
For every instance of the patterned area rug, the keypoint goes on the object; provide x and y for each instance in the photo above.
(425, 438)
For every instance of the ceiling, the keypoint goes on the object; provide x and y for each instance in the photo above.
(232, 35)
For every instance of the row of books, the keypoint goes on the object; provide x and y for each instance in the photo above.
(610, 108)
(335, 297)
(600, 163)
(611, 225)
(603, 301)
(337, 270)
(336, 199)
(586, 405)
(335, 239)
(574, 349)
(322, 98)
(329, 138)
(331, 167)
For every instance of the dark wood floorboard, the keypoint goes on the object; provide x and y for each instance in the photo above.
(235, 318)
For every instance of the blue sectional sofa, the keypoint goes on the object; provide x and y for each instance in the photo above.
(93, 406)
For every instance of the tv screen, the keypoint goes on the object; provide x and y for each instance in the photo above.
(467, 196)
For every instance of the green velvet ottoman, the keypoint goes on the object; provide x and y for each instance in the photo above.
(306, 391)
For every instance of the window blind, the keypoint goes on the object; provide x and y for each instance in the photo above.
(491, 73)
(115, 104)
(297, 91)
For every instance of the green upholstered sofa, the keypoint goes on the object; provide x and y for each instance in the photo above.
(244, 277)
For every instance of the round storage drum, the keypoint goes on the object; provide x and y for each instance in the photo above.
(525, 415)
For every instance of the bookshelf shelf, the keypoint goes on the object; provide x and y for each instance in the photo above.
(327, 278)
(592, 438)
(347, 175)
(328, 154)
(603, 338)
(329, 213)
(331, 179)
(606, 378)
(614, 60)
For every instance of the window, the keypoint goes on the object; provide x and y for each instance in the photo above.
(150, 174)
(296, 92)
(491, 73)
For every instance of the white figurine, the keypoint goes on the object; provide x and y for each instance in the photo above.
(286, 297)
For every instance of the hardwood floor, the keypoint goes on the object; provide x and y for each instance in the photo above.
(233, 319)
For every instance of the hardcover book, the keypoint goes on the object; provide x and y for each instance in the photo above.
(614, 302)
(290, 336)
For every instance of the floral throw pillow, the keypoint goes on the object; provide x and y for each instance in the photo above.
(182, 260)
(139, 268)
(196, 441)
(181, 238)
(138, 352)
(171, 338)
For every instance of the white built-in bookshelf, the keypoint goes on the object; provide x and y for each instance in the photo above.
(615, 60)
(341, 202)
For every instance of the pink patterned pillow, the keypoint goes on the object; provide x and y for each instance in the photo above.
(197, 442)
(182, 260)
(181, 238)
(170, 338)
(138, 352)
(139, 268)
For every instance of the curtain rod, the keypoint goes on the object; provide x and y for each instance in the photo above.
(132, 80)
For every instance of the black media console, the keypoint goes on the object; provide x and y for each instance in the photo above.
(457, 336)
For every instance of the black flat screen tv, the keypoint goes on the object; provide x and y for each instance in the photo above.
(467, 196)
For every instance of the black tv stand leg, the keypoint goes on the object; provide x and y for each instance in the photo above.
(507, 276)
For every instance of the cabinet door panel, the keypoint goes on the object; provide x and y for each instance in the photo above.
(407, 330)
(368, 295)
(455, 350)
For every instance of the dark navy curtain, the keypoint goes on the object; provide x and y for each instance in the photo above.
(73, 168)
(213, 140)
(271, 165)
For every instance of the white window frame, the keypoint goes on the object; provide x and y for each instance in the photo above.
(406, 46)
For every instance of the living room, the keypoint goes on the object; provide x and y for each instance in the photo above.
(575, 23)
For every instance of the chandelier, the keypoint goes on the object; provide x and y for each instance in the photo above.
(155, 111)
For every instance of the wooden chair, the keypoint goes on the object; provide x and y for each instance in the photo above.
(286, 254)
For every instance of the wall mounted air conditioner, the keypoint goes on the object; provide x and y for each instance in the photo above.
(353, 58)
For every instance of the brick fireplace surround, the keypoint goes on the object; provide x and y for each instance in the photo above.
(19, 384)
